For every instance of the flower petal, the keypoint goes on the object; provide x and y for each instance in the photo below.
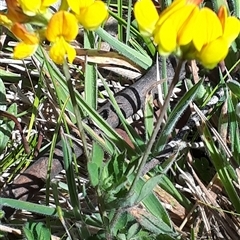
(93, 16)
(175, 6)
(166, 38)
(207, 28)
(213, 53)
(61, 49)
(31, 8)
(20, 32)
(23, 50)
(76, 6)
(63, 24)
(232, 29)
(146, 15)
(166, 34)
(185, 34)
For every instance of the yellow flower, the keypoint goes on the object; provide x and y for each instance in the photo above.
(207, 28)
(62, 28)
(29, 41)
(175, 26)
(33, 7)
(230, 25)
(90, 13)
(146, 15)
(188, 31)
(213, 53)
(215, 42)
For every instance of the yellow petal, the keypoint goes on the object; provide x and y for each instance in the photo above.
(20, 32)
(166, 38)
(61, 49)
(213, 53)
(166, 34)
(185, 34)
(23, 50)
(93, 16)
(48, 3)
(5, 21)
(146, 15)
(63, 24)
(175, 6)
(79, 4)
(207, 28)
(232, 29)
(32, 7)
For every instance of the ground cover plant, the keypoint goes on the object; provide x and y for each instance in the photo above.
(119, 119)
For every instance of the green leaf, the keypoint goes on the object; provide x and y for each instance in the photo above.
(90, 78)
(36, 230)
(220, 165)
(68, 166)
(233, 127)
(6, 127)
(31, 207)
(153, 204)
(236, 4)
(148, 187)
(142, 60)
(175, 115)
(234, 86)
(97, 155)
(120, 224)
(154, 224)
(133, 230)
(93, 171)
(149, 116)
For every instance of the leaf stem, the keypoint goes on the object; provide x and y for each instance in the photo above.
(157, 128)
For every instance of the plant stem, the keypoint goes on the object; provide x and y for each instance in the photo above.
(76, 109)
(157, 128)
(151, 142)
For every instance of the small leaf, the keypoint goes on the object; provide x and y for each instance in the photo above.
(93, 172)
(6, 126)
(133, 230)
(148, 186)
(36, 230)
(97, 155)
(120, 224)
(234, 86)
(152, 223)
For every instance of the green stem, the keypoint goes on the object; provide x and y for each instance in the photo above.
(157, 128)
(76, 109)
(151, 141)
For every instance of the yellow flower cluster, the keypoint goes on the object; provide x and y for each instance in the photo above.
(188, 31)
(59, 28)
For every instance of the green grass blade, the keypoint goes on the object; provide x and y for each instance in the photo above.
(141, 60)
(90, 79)
(221, 166)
